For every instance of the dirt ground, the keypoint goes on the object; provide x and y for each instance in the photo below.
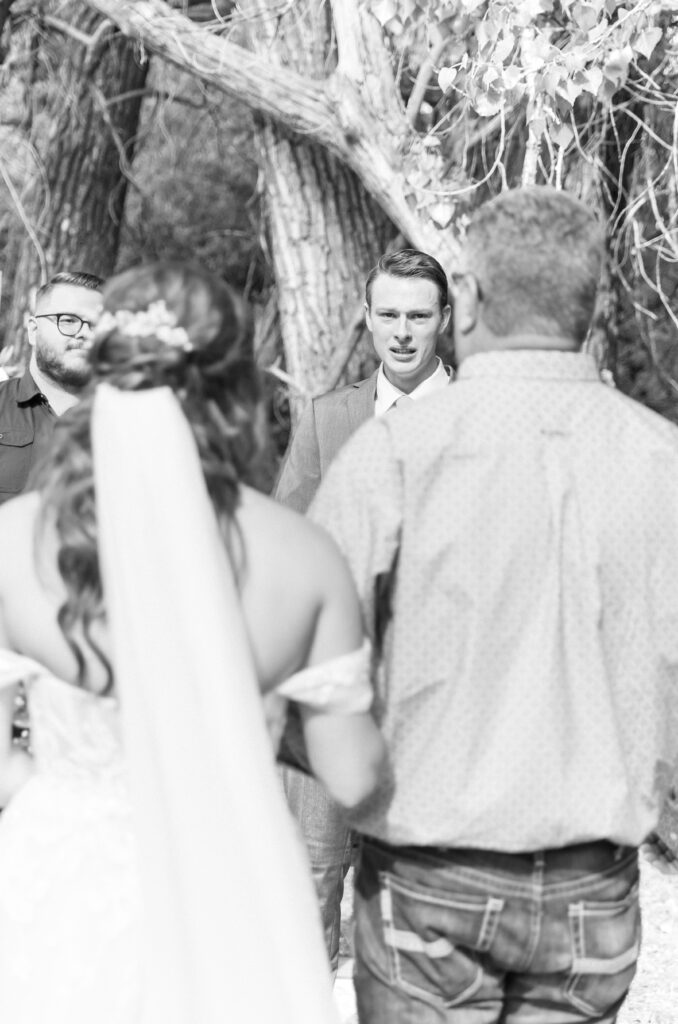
(653, 998)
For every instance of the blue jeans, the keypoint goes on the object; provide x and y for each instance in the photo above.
(328, 841)
(477, 937)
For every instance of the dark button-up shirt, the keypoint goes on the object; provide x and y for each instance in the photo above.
(26, 426)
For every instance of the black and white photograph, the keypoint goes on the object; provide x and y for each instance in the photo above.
(339, 511)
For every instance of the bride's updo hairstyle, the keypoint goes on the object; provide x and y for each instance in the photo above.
(174, 325)
(164, 325)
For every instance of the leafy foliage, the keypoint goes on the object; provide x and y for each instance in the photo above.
(546, 53)
(577, 93)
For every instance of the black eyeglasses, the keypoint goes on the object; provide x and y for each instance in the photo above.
(67, 324)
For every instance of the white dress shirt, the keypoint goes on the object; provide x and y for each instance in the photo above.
(388, 394)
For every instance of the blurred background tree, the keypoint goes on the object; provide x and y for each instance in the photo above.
(285, 145)
(69, 125)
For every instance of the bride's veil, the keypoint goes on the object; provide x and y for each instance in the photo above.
(233, 930)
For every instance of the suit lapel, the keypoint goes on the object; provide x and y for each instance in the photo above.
(360, 402)
(339, 414)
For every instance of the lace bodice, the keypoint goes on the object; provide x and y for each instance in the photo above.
(69, 886)
(71, 894)
(73, 731)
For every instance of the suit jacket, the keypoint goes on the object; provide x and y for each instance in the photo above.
(326, 424)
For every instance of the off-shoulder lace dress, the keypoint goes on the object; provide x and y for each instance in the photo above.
(341, 686)
(70, 901)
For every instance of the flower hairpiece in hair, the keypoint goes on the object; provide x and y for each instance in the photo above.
(155, 321)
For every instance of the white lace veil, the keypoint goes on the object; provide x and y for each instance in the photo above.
(233, 929)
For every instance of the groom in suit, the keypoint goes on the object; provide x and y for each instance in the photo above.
(406, 310)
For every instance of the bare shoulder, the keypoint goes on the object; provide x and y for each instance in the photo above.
(291, 574)
(288, 540)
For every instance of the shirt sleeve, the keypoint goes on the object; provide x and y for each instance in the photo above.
(359, 504)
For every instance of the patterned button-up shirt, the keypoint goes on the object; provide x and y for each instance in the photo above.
(528, 685)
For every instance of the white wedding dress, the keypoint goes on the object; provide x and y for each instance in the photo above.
(149, 870)
(70, 898)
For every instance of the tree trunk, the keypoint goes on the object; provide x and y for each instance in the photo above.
(643, 354)
(326, 232)
(84, 119)
(354, 112)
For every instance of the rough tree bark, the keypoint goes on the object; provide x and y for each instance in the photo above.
(325, 230)
(5, 6)
(354, 112)
(85, 117)
(346, 115)
(642, 353)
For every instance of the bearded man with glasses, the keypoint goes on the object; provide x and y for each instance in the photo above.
(58, 332)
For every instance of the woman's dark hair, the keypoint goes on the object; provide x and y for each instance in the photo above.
(216, 382)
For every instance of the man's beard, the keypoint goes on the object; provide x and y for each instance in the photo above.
(70, 376)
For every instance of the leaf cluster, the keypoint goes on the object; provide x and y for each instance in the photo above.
(577, 93)
(543, 53)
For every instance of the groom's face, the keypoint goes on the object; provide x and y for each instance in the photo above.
(406, 321)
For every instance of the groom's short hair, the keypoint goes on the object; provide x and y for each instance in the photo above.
(409, 263)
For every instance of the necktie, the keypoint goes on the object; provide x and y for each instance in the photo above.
(402, 402)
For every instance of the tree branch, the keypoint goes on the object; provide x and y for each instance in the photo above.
(424, 77)
(5, 6)
(365, 62)
(67, 29)
(349, 40)
(102, 105)
(4, 13)
(30, 230)
(158, 94)
(333, 113)
(285, 96)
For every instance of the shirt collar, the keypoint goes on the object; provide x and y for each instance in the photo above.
(387, 393)
(27, 390)
(538, 364)
(59, 401)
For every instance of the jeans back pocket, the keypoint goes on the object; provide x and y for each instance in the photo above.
(605, 942)
(433, 939)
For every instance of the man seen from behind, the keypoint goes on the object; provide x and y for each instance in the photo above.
(527, 687)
